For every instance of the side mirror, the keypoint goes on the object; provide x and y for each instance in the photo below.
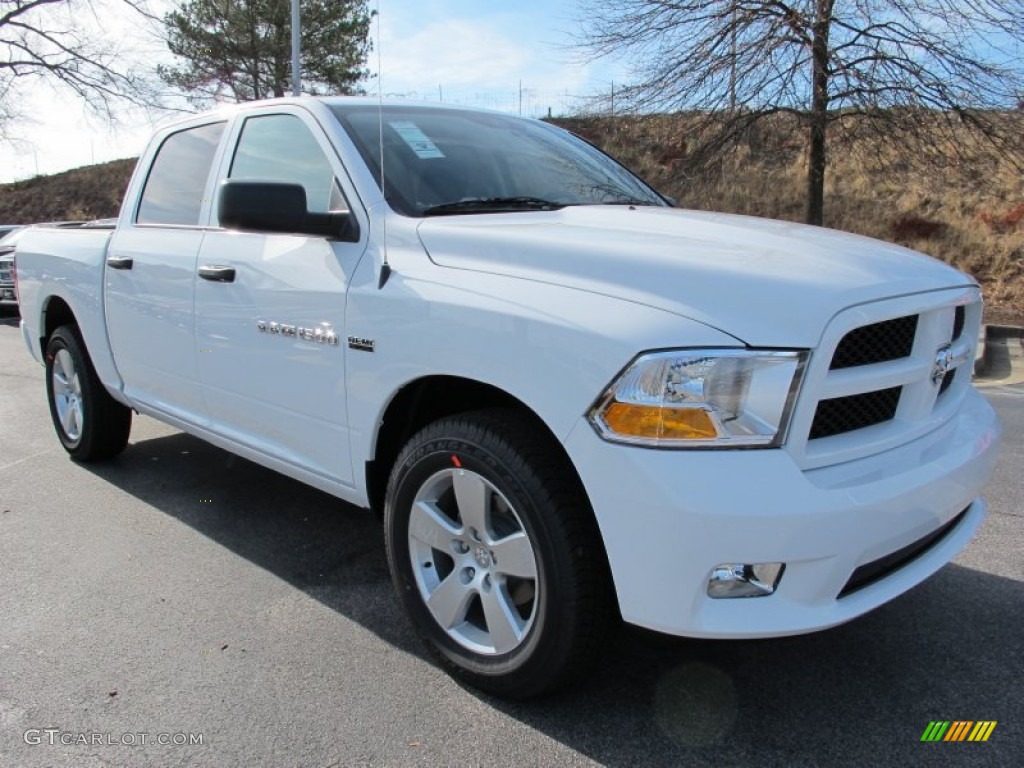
(263, 206)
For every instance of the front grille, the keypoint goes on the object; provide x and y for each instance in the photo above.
(845, 414)
(876, 343)
(959, 318)
(869, 384)
(947, 380)
(877, 570)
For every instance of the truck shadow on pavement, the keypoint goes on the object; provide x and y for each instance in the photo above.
(859, 694)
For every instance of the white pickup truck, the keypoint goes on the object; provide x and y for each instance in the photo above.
(569, 400)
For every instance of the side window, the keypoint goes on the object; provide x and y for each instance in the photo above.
(281, 148)
(177, 180)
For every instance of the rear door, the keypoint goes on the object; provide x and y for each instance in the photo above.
(149, 279)
(270, 308)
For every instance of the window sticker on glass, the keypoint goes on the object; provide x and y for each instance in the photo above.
(417, 140)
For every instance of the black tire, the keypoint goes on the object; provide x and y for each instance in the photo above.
(101, 426)
(566, 610)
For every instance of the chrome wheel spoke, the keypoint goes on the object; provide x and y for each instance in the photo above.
(67, 394)
(472, 496)
(450, 601)
(67, 365)
(76, 418)
(513, 556)
(428, 525)
(504, 625)
(63, 371)
(66, 418)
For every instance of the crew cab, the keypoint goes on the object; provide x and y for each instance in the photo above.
(570, 401)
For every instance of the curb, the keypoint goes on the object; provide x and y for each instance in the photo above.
(979, 352)
(1000, 358)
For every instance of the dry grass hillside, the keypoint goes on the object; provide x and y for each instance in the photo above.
(90, 192)
(968, 210)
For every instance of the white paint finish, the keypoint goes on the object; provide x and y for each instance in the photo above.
(668, 517)
(553, 349)
(150, 317)
(53, 265)
(729, 272)
(285, 396)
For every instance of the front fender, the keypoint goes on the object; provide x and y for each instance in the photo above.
(553, 348)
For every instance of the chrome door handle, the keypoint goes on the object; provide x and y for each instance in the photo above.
(120, 262)
(217, 273)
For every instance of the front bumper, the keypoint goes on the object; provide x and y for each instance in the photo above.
(669, 517)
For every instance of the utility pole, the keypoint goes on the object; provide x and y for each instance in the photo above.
(296, 50)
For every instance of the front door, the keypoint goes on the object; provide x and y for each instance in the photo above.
(270, 308)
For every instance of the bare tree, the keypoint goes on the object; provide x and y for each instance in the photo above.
(47, 40)
(909, 69)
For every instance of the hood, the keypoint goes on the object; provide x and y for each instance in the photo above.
(766, 282)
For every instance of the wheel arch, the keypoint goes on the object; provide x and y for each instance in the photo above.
(55, 313)
(91, 329)
(429, 398)
(418, 403)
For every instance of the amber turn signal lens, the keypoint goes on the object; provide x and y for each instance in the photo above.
(655, 422)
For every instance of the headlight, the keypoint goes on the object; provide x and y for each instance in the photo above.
(701, 398)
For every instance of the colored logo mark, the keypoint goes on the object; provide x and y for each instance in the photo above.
(958, 730)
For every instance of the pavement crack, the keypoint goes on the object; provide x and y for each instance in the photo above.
(27, 458)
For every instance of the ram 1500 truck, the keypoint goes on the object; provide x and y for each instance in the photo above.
(569, 400)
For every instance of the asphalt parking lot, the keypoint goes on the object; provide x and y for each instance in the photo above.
(183, 593)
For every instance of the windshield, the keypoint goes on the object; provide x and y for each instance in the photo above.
(447, 161)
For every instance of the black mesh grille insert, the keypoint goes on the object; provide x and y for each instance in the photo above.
(876, 343)
(878, 569)
(845, 414)
(947, 380)
(958, 322)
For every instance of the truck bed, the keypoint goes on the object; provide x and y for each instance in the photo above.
(71, 263)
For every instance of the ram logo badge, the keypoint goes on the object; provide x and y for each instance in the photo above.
(321, 334)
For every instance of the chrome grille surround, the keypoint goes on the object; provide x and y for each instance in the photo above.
(924, 404)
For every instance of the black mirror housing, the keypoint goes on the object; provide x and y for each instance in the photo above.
(263, 206)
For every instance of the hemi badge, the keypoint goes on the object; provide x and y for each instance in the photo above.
(354, 342)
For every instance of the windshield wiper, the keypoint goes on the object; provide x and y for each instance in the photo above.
(492, 205)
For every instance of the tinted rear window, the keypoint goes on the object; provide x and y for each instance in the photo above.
(177, 180)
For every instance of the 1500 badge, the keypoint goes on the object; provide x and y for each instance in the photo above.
(322, 334)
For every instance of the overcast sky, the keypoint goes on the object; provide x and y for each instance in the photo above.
(477, 52)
